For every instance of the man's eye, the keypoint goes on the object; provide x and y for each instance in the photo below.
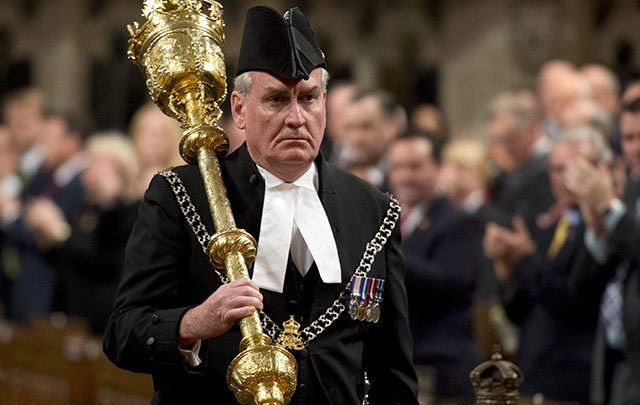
(277, 99)
(308, 98)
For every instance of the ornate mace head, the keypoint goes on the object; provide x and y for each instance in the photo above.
(179, 51)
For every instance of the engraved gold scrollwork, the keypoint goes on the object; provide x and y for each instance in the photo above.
(233, 240)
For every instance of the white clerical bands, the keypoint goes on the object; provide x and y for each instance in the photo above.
(293, 220)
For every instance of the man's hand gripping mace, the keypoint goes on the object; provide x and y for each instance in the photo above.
(179, 51)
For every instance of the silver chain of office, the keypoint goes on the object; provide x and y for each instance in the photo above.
(332, 313)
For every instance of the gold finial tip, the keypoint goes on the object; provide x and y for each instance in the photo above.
(151, 6)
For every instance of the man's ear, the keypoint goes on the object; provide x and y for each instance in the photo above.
(238, 103)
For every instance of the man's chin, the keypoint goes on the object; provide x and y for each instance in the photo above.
(296, 156)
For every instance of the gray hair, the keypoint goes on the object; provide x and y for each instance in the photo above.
(242, 82)
(590, 135)
(521, 105)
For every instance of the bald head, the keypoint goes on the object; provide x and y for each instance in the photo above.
(603, 85)
(560, 85)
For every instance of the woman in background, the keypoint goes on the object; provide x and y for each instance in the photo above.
(156, 138)
(90, 248)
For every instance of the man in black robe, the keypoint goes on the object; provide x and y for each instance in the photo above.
(176, 319)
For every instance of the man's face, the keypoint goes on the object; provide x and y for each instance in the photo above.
(561, 156)
(412, 172)
(25, 123)
(630, 139)
(507, 139)
(155, 137)
(338, 101)
(56, 142)
(366, 131)
(284, 121)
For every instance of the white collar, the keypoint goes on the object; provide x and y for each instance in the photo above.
(293, 220)
(413, 218)
(309, 179)
(69, 169)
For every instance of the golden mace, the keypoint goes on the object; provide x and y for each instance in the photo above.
(179, 51)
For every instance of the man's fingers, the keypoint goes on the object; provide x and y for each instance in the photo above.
(243, 301)
(520, 226)
(235, 314)
(246, 291)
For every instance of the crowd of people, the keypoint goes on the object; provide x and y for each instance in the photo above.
(68, 201)
(535, 221)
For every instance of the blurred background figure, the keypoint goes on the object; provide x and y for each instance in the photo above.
(440, 280)
(21, 157)
(610, 265)
(372, 121)
(428, 118)
(235, 134)
(23, 113)
(535, 269)
(518, 147)
(559, 86)
(156, 138)
(88, 248)
(586, 112)
(604, 86)
(10, 187)
(58, 182)
(631, 93)
(465, 174)
(339, 96)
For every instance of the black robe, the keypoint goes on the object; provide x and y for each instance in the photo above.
(166, 273)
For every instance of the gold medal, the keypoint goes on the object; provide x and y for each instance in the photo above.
(362, 312)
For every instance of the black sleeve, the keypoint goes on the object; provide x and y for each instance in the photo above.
(143, 329)
(624, 241)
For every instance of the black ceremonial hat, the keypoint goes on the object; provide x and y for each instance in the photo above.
(284, 46)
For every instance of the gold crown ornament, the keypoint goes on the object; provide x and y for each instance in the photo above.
(497, 381)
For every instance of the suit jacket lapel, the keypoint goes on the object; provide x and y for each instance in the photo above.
(245, 188)
(426, 212)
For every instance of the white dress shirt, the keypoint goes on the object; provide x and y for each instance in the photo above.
(294, 221)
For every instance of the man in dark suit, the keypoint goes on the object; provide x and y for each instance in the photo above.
(312, 222)
(537, 282)
(443, 251)
(519, 149)
(610, 266)
(58, 181)
(372, 121)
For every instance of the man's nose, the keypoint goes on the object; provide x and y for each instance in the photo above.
(295, 117)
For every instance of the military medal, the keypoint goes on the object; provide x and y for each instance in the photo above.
(369, 303)
(353, 308)
(290, 338)
(377, 300)
(362, 296)
(365, 298)
(354, 301)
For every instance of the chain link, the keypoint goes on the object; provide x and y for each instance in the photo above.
(191, 215)
(325, 320)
